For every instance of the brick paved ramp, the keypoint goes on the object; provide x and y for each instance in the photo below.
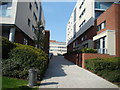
(62, 73)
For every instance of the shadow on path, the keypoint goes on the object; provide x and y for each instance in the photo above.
(56, 67)
(49, 83)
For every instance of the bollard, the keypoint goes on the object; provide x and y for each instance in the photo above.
(32, 77)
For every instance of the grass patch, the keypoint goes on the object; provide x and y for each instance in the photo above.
(117, 83)
(15, 84)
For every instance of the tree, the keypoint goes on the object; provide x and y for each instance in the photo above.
(39, 35)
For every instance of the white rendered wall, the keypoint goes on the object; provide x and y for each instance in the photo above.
(110, 41)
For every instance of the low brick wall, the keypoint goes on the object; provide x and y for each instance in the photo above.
(75, 58)
(86, 56)
(79, 59)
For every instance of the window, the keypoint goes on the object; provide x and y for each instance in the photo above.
(82, 23)
(36, 5)
(76, 42)
(81, 4)
(75, 15)
(97, 4)
(25, 41)
(28, 22)
(82, 39)
(35, 16)
(74, 30)
(102, 26)
(30, 6)
(83, 12)
(33, 28)
(98, 13)
(73, 44)
(85, 45)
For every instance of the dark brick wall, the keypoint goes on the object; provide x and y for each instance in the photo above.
(47, 40)
(19, 38)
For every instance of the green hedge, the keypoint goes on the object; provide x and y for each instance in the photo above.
(88, 50)
(6, 47)
(22, 58)
(107, 68)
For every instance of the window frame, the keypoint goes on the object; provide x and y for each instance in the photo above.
(30, 6)
(29, 22)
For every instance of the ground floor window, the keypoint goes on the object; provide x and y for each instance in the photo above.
(100, 45)
(25, 41)
(85, 45)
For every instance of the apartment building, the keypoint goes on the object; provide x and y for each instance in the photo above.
(83, 16)
(57, 48)
(107, 39)
(83, 25)
(18, 20)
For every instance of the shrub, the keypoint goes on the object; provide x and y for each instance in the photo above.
(6, 47)
(23, 58)
(108, 68)
(88, 50)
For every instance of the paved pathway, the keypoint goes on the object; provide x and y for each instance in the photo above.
(62, 73)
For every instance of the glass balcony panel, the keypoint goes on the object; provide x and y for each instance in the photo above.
(5, 9)
(5, 13)
(102, 50)
(103, 5)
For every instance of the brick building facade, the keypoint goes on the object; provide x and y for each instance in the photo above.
(104, 35)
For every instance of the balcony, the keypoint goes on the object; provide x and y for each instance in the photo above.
(5, 13)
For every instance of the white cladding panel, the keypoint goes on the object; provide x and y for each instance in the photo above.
(22, 16)
(87, 13)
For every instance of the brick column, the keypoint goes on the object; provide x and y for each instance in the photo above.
(83, 60)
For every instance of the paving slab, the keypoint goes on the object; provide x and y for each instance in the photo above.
(62, 73)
